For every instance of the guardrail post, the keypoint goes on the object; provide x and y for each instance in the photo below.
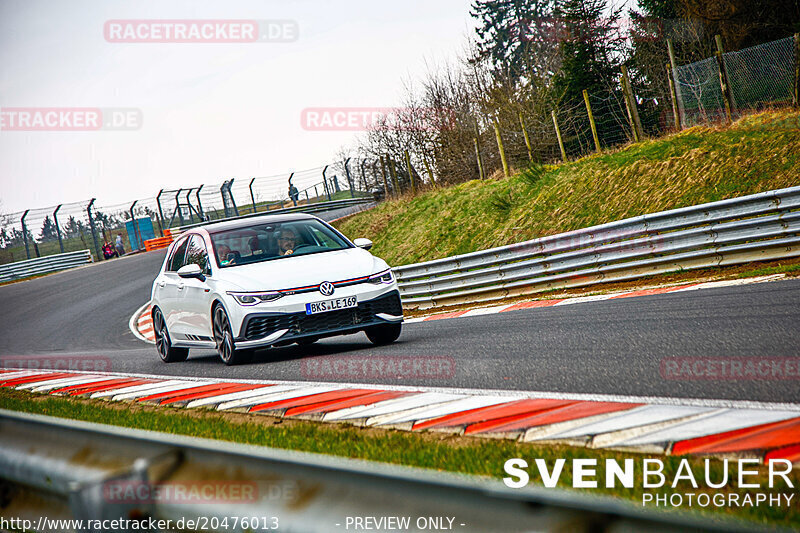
(25, 233)
(723, 80)
(349, 179)
(325, 183)
(591, 120)
(253, 196)
(161, 213)
(91, 227)
(58, 228)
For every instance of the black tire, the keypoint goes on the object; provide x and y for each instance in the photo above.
(306, 341)
(164, 347)
(383, 334)
(223, 338)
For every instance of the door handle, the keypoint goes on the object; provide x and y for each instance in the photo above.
(180, 286)
(162, 283)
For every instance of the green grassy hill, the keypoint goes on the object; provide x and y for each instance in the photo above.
(702, 164)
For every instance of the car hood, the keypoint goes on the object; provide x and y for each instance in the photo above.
(302, 270)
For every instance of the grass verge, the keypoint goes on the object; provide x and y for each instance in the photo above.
(426, 450)
(697, 165)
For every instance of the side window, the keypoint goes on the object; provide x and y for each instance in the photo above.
(176, 261)
(197, 254)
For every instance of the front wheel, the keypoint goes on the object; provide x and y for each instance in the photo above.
(167, 352)
(383, 334)
(223, 338)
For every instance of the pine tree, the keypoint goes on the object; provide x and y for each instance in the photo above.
(591, 49)
(48, 232)
(512, 35)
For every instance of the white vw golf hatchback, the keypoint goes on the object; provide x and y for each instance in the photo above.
(270, 281)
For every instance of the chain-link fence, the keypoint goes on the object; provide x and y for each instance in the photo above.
(758, 77)
(97, 227)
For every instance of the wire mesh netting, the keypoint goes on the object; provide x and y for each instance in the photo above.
(761, 75)
(758, 76)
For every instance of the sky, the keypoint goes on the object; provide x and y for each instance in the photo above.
(199, 112)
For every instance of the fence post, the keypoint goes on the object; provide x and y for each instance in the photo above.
(136, 234)
(385, 183)
(349, 179)
(500, 148)
(91, 227)
(25, 233)
(252, 196)
(673, 94)
(525, 134)
(796, 92)
(410, 172)
(723, 80)
(58, 228)
(680, 120)
(558, 135)
(428, 169)
(325, 183)
(591, 120)
(363, 177)
(161, 212)
(630, 101)
(180, 211)
(393, 173)
(199, 204)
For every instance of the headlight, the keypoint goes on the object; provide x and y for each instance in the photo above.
(255, 298)
(382, 277)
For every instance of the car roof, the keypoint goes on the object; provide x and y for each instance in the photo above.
(217, 227)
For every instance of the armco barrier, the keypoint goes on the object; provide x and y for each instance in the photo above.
(44, 265)
(67, 468)
(758, 227)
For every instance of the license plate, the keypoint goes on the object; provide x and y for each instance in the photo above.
(331, 305)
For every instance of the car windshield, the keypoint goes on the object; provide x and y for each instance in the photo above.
(275, 240)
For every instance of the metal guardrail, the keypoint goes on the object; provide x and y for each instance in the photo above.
(318, 207)
(68, 469)
(44, 265)
(758, 227)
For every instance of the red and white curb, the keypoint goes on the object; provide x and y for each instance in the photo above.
(594, 298)
(640, 424)
(141, 324)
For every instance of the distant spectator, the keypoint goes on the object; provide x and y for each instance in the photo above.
(119, 246)
(294, 194)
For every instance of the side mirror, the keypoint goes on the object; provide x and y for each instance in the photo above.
(363, 243)
(191, 271)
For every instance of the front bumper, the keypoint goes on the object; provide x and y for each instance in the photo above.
(264, 329)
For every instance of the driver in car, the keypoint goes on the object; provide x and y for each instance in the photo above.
(287, 241)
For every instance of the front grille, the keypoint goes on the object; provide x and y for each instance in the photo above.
(303, 324)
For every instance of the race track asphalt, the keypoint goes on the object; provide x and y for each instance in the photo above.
(606, 347)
